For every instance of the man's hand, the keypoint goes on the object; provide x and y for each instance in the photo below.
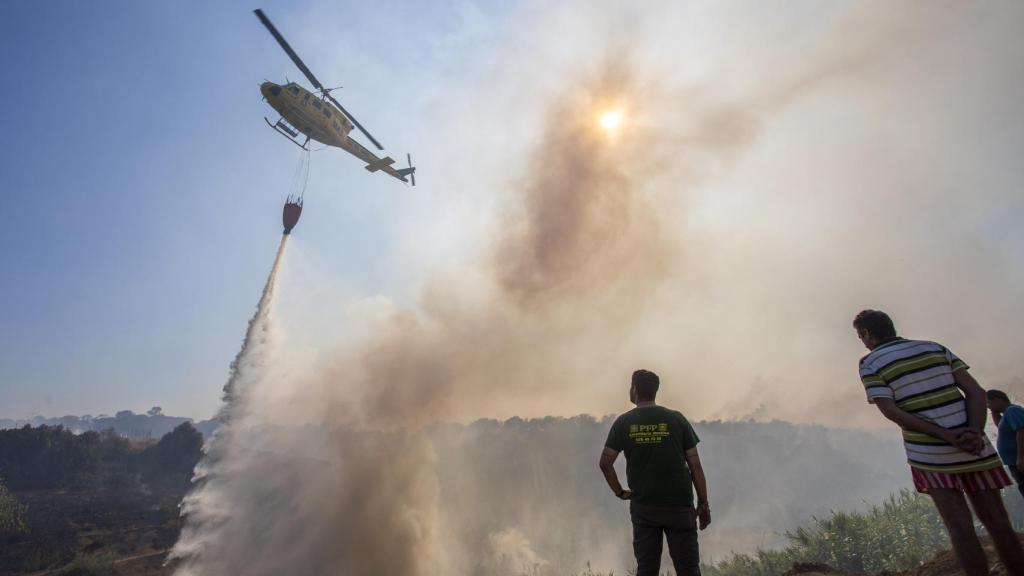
(968, 440)
(700, 484)
(703, 515)
(607, 465)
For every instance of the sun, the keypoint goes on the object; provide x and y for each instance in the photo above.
(610, 120)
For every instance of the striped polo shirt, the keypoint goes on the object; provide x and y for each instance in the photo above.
(918, 376)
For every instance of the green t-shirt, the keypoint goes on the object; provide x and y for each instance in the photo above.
(655, 440)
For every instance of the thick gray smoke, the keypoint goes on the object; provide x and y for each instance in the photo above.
(723, 235)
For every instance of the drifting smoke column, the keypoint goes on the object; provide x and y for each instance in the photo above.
(592, 271)
(338, 474)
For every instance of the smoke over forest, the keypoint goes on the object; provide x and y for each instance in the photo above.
(724, 236)
(515, 496)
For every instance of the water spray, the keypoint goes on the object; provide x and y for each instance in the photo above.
(246, 368)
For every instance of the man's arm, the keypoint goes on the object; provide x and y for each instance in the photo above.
(976, 413)
(1020, 449)
(700, 484)
(607, 466)
(907, 421)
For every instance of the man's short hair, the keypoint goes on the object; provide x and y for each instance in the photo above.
(876, 322)
(646, 383)
(994, 394)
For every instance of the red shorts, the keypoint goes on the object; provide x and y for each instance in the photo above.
(992, 479)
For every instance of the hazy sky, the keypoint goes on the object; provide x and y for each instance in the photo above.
(823, 159)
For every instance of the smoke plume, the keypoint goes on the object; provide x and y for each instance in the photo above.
(723, 236)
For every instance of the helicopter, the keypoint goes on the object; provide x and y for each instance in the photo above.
(318, 116)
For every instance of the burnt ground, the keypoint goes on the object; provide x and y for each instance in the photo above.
(93, 532)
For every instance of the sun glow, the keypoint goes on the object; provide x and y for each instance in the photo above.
(611, 120)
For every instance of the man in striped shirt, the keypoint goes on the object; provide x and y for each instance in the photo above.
(921, 386)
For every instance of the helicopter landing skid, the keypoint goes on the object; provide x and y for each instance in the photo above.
(288, 132)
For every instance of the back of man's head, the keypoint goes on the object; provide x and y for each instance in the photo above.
(876, 323)
(646, 384)
(994, 394)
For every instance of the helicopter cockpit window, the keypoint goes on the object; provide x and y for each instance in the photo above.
(316, 103)
(294, 90)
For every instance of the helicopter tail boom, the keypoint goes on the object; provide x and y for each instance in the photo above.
(379, 164)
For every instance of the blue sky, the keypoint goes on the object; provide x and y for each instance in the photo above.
(142, 189)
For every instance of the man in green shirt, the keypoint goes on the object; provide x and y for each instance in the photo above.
(662, 468)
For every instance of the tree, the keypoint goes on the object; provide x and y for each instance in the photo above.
(155, 411)
(171, 460)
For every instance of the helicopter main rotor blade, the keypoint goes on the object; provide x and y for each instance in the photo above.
(288, 49)
(316, 83)
(354, 121)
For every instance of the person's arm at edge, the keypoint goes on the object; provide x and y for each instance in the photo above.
(700, 484)
(1016, 426)
(607, 465)
(1020, 448)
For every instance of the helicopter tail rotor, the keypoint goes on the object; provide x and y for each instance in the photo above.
(410, 171)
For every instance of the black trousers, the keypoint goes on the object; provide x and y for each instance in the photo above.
(678, 524)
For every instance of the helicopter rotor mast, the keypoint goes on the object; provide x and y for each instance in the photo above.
(309, 74)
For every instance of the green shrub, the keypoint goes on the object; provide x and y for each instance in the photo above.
(899, 534)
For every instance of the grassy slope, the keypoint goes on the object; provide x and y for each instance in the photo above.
(942, 564)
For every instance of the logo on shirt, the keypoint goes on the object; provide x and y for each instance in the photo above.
(647, 434)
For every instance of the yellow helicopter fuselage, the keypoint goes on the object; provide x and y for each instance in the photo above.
(307, 113)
